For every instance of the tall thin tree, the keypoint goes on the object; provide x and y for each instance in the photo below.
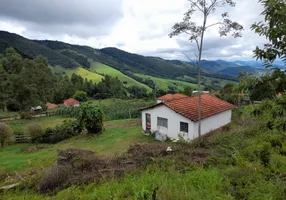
(197, 32)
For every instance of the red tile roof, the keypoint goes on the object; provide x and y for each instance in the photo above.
(51, 106)
(71, 101)
(188, 107)
(169, 97)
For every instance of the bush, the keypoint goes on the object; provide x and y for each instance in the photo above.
(91, 117)
(5, 133)
(25, 115)
(67, 129)
(33, 131)
(265, 155)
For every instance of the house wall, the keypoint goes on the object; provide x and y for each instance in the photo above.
(174, 119)
(213, 122)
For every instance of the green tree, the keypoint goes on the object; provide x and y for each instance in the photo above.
(80, 96)
(273, 28)
(196, 32)
(77, 81)
(5, 88)
(64, 89)
(137, 92)
(12, 61)
(187, 91)
(91, 117)
(5, 133)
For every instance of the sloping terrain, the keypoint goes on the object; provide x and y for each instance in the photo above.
(234, 71)
(166, 84)
(66, 58)
(106, 70)
(84, 73)
(31, 49)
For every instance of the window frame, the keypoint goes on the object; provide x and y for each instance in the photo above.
(164, 122)
(184, 126)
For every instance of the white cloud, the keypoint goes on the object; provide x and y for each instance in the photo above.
(137, 26)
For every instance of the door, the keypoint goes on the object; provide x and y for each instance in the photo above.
(148, 122)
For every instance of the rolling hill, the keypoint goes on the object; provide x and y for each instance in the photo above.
(131, 69)
(166, 84)
(106, 70)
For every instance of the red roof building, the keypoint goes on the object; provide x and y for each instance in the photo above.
(51, 106)
(169, 97)
(181, 116)
(71, 102)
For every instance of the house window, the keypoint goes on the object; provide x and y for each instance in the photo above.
(184, 127)
(162, 122)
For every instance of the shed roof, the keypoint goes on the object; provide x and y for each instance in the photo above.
(71, 101)
(169, 97)
(188, 107)
(51, 106)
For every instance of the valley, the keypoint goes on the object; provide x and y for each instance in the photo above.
(131, 69)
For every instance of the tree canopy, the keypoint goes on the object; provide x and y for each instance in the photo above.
(274, 29)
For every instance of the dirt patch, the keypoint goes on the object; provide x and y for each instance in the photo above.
(77, 166)
(33, 148)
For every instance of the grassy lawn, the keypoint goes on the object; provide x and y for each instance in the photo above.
(163, 84)
(44, 122)
(106, 70)
(7, 114)
(114, 140)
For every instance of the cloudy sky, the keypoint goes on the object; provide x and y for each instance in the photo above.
(137, 26)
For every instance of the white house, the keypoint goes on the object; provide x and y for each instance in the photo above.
(179, 117)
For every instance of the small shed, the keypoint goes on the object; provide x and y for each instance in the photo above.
(36, 109)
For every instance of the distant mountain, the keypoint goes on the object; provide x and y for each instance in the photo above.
(259, 64)
(234, 71)
(31, 49)
(229, 68)
(75, 56)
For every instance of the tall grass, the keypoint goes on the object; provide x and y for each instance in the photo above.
(193, 185)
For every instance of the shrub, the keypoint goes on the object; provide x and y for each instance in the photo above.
(67, 129)
(26, 115)
(5, 133)
(33, 131)
(91, 117)
(265, 155)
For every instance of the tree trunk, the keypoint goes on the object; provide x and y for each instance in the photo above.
(199, 77)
